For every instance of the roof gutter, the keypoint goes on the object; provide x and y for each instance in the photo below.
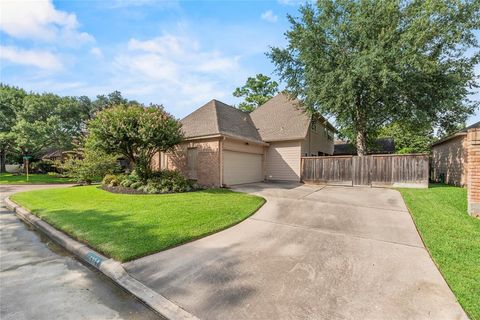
(458, 134)
(221, 135)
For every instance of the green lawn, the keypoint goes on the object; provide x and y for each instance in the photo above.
(126, 227)
(452, 238)
(8, 178)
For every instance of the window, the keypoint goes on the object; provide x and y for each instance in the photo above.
(314, 126)
(192, 163)
(330, 135)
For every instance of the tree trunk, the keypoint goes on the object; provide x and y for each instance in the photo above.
(360, 127)
(361, 143)
(3, 160)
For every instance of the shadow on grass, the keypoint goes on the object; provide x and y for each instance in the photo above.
(434, 185)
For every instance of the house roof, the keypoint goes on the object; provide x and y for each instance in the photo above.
(281, 119)
(216, 117)
(456, 134)
(51, 153)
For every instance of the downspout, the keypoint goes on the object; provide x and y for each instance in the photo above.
(220, 145)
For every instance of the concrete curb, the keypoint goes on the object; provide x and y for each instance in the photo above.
(111, 268)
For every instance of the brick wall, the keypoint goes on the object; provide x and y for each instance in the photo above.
(473, 169)
(208, 161)
(449, 158)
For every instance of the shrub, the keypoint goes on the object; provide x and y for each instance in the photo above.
(108, 179)
(126, 183)
(169, 181)
(42, 166)
(91, 166)
(166, 181)
(136, 185)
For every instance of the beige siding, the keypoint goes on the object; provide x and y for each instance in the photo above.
(448, 158)
(283, 161)
(241, 167)
(242, 146)
(317, 141)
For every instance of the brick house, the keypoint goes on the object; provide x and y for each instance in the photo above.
(457, 159)
(449, 158)
(225, 146)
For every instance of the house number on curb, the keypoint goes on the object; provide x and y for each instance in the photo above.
(94, 259)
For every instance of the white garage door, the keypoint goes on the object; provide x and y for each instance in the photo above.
(240, 167)
(283, 161)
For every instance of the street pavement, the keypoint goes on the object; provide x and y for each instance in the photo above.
(39, 280)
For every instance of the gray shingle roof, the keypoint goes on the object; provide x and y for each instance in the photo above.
(281, 119)
(216, 117)
(456, 134)
(278, 119)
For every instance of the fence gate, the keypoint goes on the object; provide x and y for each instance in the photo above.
(361, 167)
(375, 170)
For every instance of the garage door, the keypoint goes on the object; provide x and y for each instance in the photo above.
(240, 167)
(283, 161)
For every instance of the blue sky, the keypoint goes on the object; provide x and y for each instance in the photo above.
(179, 54)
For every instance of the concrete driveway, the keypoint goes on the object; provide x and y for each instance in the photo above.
(310, 252)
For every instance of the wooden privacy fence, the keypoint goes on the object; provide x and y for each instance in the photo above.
(409, 170)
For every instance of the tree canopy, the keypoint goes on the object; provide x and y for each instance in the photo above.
(408, 139)
(372, 63)
(31, 123)
(256, 91)
(135, 132)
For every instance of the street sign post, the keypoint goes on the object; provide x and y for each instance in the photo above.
(26, 159)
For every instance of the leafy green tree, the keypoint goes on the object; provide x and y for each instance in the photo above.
(370, 63)
(408, 139)
(112, 99)
(256, 91)
(47, 120)
(136, 132)
(11, 102)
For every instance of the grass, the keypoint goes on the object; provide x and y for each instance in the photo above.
(452, 237)
(126, 227)
(9, 178)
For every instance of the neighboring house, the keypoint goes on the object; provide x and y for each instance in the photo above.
(381, 146)
(53, 155)
(450, 157)
(226, 146)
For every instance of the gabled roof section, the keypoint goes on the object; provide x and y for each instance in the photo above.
(281, 119)
(216, 117)
(462, 132)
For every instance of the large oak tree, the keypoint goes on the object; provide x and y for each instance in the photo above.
(371, 63)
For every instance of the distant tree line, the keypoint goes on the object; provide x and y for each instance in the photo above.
(31, 123)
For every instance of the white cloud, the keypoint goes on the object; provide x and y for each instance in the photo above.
(39, 20)
(37, 58)
(269, 16)
(293, 2)
(117, 4)
(177, 69)
(97, 52)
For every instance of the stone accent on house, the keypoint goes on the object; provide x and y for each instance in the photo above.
(473, 169)
(449, 159)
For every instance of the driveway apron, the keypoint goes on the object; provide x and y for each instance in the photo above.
(311, 252)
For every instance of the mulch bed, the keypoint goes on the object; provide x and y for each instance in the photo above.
(122, 190)
(125, 190)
